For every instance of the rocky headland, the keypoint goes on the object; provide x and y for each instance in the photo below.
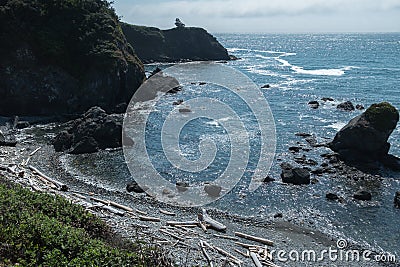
(72, 56)
(174, 45)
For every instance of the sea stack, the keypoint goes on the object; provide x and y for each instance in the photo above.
(363, 141)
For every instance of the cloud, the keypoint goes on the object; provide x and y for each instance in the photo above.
(268, 15)
(256, 8)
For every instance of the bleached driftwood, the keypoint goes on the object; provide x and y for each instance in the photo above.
(112, 203)
(112, 210)
(246, 255)
(205, 218)
(34, 151)
(120, 206)
(149, 219)
(227, 254)
(167, 212)
(173, 223)
(140, 212)
(248, 246)
(203, 226)
(60, 186)
(208, 258)
(171, 234)
(255, 259)
(255, 238)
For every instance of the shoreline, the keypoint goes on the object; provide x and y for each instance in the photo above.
(286, 236)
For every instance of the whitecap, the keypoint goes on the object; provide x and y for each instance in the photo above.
(322, 72)
(336, 125)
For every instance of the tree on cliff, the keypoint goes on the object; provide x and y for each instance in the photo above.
(64, 56)
(179, 23)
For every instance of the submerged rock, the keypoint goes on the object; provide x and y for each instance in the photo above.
(364, 139)
(212, 190)
(362, 195)
(331, 196)
(346, 106)
(182, 186)
(359, 107)
(93, 131)
(397, 200)
(313, 104)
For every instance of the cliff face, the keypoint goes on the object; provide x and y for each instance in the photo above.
(178, 44)
(62, 57)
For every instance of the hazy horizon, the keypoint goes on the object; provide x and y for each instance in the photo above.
(272, 16)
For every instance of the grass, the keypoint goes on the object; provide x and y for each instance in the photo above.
(383, 116)
(39, 229)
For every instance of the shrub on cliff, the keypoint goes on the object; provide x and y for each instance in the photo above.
(71, 33)
(63, 56)
(38, 229)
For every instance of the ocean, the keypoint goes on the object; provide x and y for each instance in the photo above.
(361, 68)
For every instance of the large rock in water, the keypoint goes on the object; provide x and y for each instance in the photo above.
(93, 131)
(173, 45)
(364, 138)
(296, 176)
(70, 56)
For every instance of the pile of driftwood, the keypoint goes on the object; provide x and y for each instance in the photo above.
(192, 235)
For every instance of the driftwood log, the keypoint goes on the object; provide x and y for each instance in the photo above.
(60, 186)
(255, 259)
(205, 218)
(255, 238)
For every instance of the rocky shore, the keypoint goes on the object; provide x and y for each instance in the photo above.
(138, 216)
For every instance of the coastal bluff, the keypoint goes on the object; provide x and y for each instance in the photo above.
(67, 57)
(173, 45)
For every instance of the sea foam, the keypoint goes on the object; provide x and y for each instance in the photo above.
(301, 70)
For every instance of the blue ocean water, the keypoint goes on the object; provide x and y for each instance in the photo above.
(362, 68)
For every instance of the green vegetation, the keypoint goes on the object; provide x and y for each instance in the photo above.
(383, 116)
(38, 229)
(73, 34)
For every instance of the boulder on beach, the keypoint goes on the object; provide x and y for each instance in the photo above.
(7, 140)
(93, 131)
(364, 138)
(346, 106)
(134, 187)
(295, 176)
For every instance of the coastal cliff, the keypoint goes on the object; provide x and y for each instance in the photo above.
(59, 57)
(64, 57)
(174, 45)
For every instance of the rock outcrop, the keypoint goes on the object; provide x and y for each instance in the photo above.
(173, 45)
(363, 141)
(68, 57)
(346, 106)
(296, 176)
(93, 131)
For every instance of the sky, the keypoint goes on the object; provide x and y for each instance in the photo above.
(266, 16)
